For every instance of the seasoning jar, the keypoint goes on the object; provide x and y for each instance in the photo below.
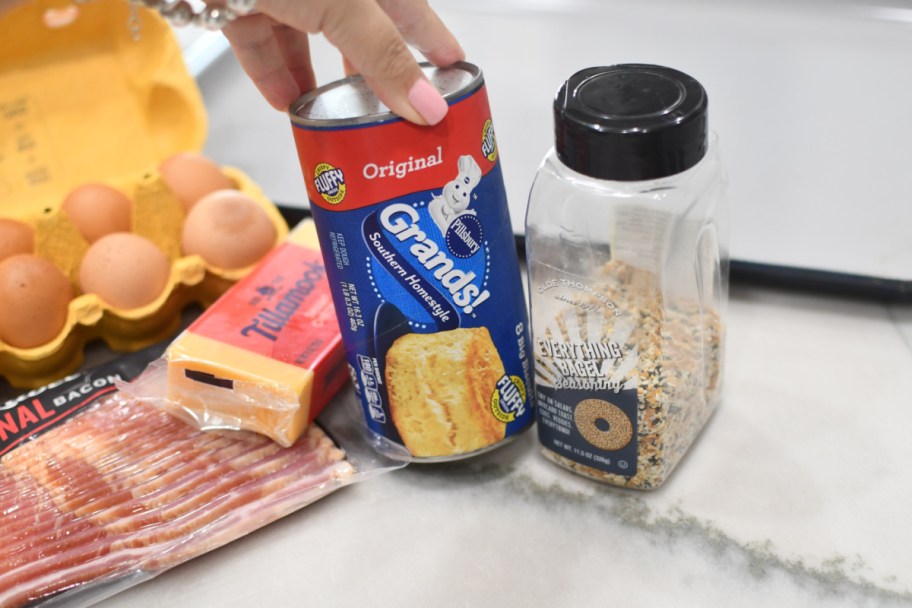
(628, 274)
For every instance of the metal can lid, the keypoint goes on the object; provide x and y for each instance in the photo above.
(350, 101)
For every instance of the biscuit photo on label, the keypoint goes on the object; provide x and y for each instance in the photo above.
(440, 388)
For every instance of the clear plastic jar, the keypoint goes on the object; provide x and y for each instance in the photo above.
(628, 274)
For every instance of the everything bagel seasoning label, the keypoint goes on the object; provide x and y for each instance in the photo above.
(419, 252)
(624, 374)
(586, 393)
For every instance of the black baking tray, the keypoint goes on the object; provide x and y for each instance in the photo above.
(755, 273)
(824, 281)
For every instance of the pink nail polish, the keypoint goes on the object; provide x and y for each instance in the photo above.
(426, 100)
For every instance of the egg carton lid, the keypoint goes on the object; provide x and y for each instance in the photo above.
(87, 102)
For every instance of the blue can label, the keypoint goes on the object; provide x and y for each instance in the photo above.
(418, 244)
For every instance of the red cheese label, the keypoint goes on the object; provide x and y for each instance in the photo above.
(282, 310)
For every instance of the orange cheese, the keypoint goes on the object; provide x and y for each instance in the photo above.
(268, 355)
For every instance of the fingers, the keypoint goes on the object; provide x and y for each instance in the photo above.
(423, 29)
(277, 60)
(372, 44)
(372, 38)
(295, 48)
(348, 67)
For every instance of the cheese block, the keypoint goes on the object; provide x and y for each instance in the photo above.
(268, 355)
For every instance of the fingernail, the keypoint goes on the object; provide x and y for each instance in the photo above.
(426, 100)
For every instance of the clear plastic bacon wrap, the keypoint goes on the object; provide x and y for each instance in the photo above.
(102, 492)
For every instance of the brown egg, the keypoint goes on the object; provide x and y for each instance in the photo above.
(229, 230)
(34, 300)
(15, 237)
(125, 270)
(192, 176)
(97, 210)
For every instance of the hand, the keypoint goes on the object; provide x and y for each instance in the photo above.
(372, 35)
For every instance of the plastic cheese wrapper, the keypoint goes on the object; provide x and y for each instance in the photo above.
(99, 492)
(266, 357)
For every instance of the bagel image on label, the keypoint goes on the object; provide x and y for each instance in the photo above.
(603, 424)
(418, 246)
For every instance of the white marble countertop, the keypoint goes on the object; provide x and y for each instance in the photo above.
(797, 493)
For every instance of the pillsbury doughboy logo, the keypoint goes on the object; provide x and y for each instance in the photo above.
(330, 183)
(464, 236)
(450, 210)
(435, 256)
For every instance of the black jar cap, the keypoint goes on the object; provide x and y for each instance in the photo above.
(630, 122)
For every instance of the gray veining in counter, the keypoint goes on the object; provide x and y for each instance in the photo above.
(797, 493)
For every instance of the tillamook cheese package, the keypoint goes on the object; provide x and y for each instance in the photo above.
(416, 235)
(266, 357)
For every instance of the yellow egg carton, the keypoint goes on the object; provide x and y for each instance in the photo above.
(84, 102)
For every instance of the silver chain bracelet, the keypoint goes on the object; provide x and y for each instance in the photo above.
(180, 13)
(213, 17)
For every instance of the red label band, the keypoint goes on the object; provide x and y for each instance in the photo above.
(352, 167)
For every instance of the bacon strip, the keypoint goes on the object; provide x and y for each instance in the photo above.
(125, 488)
(91, 495)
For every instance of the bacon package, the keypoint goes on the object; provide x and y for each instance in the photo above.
(105, 492)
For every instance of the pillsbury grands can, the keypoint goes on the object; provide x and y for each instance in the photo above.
(419, 251)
